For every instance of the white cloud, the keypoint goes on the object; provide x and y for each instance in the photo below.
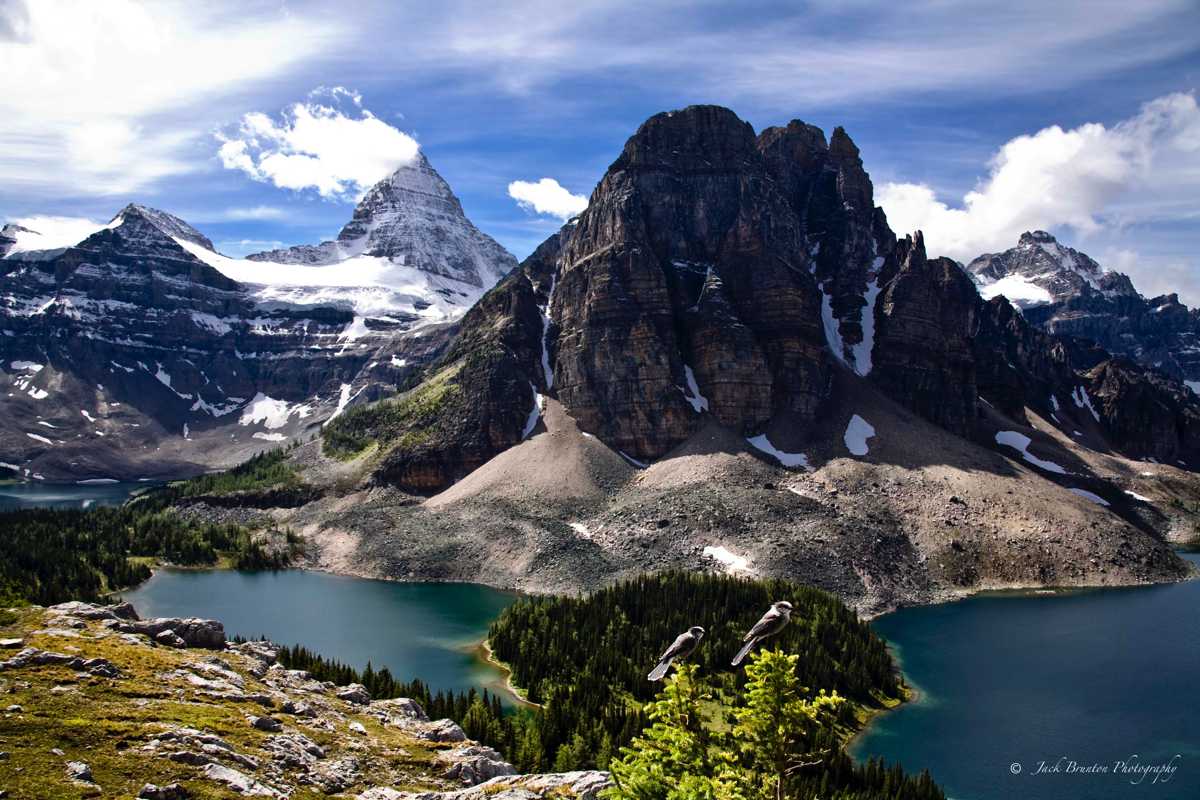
(108, 98)
(49, 232)
(1090, 179)
(253, 213)
(318, 145)
(547, 197)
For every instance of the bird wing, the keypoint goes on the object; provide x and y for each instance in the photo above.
(682, 643)
(764, 625)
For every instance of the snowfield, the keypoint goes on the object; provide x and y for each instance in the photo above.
(368, 285)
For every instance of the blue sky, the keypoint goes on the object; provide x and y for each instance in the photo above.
(111, 102)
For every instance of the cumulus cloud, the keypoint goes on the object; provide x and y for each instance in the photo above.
(109, 98)
(328, 143)
(548, 197)
(1090, 179)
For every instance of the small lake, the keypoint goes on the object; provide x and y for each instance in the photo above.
(1095, 677)
(417, 630)
(38, 494)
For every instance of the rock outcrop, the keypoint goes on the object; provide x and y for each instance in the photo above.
(225, 720)
(928, 323)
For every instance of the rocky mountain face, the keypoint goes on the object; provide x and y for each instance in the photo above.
(141, 352)
(718, 275)
(1067, 293)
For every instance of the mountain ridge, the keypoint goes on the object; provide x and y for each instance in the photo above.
(1066, 292)
(140, 351)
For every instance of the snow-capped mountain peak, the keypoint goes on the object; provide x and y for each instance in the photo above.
(412, 219)
(135, 215)
(1040, 270)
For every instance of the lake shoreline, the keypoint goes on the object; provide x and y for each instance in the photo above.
(483, 651)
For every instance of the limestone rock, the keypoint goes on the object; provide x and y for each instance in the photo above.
(238, 781)
(581, 785)
(472, 764)
(354, 693)
(79, 771)
(194, 632)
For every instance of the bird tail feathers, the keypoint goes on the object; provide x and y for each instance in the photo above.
(742, 653)
(659, 671)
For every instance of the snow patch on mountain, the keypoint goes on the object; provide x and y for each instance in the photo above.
(272, 413)
(1020, 443)
(367, 285)
(1020, 291)
(535, 413)
(1086, 495)
(731, 561)
(763, 444)
(857, 433)
(1082, 400)
(691, 392)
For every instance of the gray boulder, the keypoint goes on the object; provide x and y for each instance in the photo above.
(206, 633)
(172, 791)
(354, 693)
(474, 763)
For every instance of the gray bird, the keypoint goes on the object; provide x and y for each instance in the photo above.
(772, 622)
(682, 647)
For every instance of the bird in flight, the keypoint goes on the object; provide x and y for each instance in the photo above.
(772, 622)
(682, 647)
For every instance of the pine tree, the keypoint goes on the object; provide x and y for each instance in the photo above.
(777, 727)
(676, 757)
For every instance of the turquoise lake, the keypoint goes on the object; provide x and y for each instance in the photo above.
(38, 494)
(418, 630)
(1098, 677)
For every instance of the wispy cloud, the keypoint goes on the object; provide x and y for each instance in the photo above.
(253, 213)
(92, 91)
(815, 54)
(328, 143)
(548, 197)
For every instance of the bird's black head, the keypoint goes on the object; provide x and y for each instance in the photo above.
(696, 631)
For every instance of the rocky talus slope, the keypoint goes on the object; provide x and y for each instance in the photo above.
(1065, 292)
(141, 352)
(98, 703)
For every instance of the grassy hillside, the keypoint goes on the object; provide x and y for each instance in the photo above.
(159, 715)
